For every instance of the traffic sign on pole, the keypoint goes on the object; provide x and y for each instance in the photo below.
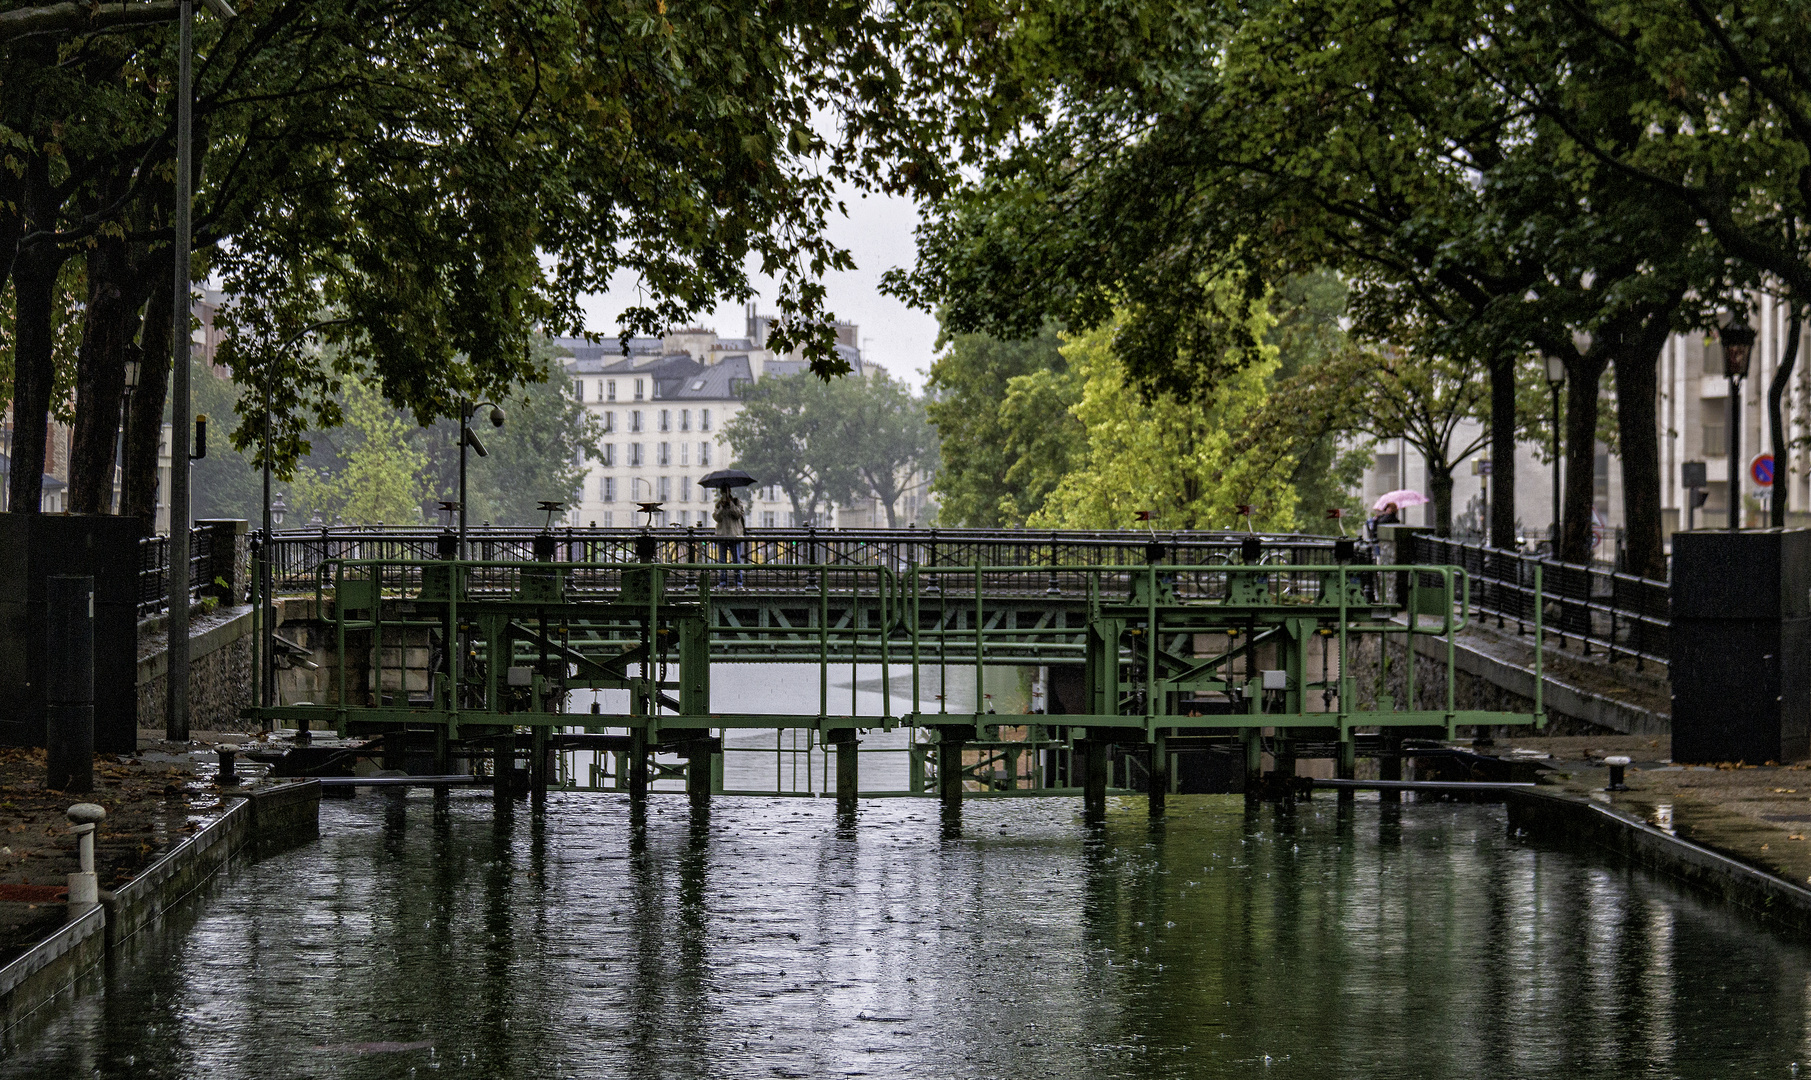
(1761, 468)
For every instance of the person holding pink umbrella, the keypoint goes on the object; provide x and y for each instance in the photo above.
(1387, 510)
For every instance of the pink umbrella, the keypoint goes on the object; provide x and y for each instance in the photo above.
(1404, 498)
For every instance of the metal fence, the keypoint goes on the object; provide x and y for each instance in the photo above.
(1623, 615)
(296, 557)
(154, 569)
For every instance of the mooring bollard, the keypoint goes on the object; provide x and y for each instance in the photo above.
(1617, 764)
(84, 887)
(226, 777)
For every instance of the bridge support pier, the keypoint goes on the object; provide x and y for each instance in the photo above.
(537, 768)
(638, 766)
(1254, 762)
(1348, 766)
(1160, 775)
(1389, 766)
(700, 765)
(503, 766)
(949, 766)
(1283, 777)
(1094, 780)
(848, 770)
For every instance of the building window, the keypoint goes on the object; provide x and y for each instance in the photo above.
(704, 454)
(704, 419)
(767, 519)
(635, 420)
(578, 389)
(665, 489)
(634, 455)
(638, 389)
(666, 454)
(685, 419)
(685, 453)
(704, 520)
(610, 422)
(609, 519)
(1713, 357)
(685, 489)
(609, 457)
(681, 519)
(607, 491)
(666, 419)
(1713, 412)
(610, 390)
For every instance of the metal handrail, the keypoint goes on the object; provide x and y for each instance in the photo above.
(1623, 614)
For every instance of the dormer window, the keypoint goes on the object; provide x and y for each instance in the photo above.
(697, 384)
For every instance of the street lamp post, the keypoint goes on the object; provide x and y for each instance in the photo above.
(1738, 343)
(1556, 378)
(468, 437)
(133, 367)
(176, 699)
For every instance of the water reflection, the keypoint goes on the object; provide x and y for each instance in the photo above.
(766, 938)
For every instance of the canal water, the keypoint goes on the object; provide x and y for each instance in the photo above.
(766, 940)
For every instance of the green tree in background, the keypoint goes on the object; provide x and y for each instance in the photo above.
(1185, 459)
(537, 455)
(378, 472)
(883, 435)
(833, 442)
(990, 477)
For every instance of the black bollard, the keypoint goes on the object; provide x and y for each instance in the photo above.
(227, 776)
(69, 684)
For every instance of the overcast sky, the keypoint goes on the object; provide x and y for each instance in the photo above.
(878, 233)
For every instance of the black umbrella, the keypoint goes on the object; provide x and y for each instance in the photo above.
(727, 478)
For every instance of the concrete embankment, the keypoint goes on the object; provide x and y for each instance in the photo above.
(267, 819)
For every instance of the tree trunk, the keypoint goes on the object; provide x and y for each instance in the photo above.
(1583, 374)
(144, 424)
(114, 297)
(34, 367)
(1440, 490)
(1637, 369)
(1776, 393)
(1502, 453)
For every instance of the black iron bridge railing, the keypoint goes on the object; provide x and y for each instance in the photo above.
(1624, 616)
(296, 557)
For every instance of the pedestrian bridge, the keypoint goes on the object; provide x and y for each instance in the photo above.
(1262, 645)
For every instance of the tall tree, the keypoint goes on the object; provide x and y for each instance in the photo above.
(883, 434)
(980, 482)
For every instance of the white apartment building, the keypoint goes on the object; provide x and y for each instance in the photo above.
(1694, 409)
(662, 409)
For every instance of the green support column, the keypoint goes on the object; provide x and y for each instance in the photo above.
(1160, 775)
(1094, 779)
(848, 769)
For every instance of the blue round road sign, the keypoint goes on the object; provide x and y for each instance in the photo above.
(1761, 468)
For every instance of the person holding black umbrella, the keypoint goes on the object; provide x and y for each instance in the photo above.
(731, 547)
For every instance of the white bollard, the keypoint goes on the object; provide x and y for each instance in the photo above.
(84, 887)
